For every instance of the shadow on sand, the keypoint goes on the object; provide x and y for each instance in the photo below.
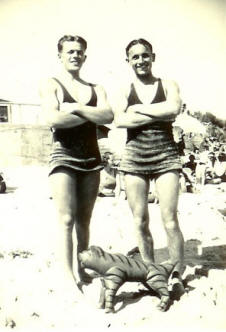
(10, 190)
(213, 257)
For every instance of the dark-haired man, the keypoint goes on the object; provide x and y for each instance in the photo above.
(73, 109)
(147, 107)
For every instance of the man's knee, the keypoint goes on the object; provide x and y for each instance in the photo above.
(141, 223)
(67, 220)
(171, 225)
(170, 221)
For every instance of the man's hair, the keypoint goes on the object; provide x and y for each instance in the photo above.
(78, 39)
(138, 41)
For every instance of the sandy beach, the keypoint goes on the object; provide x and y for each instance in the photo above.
(32, 296)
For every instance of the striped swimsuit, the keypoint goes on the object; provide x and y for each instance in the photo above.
(76, 148)
(150, 149)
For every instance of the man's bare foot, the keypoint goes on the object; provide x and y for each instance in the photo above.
(176, 286)
(83, 279)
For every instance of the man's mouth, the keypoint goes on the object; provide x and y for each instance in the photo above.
(142, 67)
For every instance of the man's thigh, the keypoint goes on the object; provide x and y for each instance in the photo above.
(137, 189)
(167, 187)
(63, 183)
(74, 191)
(87, 190)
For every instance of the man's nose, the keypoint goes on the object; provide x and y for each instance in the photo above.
(76, 54)
(140, 59)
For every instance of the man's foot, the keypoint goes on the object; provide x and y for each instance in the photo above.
(176, 286)
(83, 279)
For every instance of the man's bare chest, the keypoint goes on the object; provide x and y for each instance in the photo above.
(81, 93)
(146, 93)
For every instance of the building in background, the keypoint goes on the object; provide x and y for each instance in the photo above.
(4, 110)
(24, 138)
(20, 113)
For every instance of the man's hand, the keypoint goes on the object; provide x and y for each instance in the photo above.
(135, 109)
(69, 108)
(139, 109)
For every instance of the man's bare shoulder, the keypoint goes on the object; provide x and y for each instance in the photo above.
(48, 84)
(122, 88)
(97, 87)
(169, 84)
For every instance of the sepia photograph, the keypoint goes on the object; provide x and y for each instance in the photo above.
(112, 165)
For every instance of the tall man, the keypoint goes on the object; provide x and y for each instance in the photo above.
(73, 109)
(147, 107)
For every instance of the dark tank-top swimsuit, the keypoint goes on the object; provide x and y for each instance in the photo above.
(76, 148)
(150, 149)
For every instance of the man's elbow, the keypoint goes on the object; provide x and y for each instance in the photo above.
(47, 121)
(176, 107)
(52, 123)
(110, 117)
(107, 118)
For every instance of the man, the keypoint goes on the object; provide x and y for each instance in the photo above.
(147, 108)
(73, 109)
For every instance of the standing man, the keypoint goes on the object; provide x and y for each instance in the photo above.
(147, 108)
(73, 109)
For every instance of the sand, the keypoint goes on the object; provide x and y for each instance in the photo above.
(32, 295)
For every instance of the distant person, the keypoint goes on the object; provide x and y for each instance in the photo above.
(108, 177)
(181, 144)
(73, 109)
(191, 163)
(220, 166)
(147, 107)
(211, 158)
(216, 169)
(188, 171)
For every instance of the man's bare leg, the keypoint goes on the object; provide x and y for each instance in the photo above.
(63, 186)
(167, 186)
(137, 188)
(74, 195)
(87, 190)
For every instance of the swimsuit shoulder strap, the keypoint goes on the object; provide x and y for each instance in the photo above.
(66, 95)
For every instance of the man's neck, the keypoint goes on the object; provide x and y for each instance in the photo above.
(71, 75)
(146, 79)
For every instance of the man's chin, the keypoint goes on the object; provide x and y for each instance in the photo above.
(74, 70)
(143, 74)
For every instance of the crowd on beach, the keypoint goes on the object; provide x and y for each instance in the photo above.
(201, 166)
(205, 167)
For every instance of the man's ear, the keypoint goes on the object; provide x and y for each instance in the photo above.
(127, 60)
(59, 55)
(153, 57)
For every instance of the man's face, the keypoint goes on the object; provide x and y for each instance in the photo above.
(140, 58)
(211, 157)
(72, 55)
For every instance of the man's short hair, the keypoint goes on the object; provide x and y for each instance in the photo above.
(138, 41)
(78, 39)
